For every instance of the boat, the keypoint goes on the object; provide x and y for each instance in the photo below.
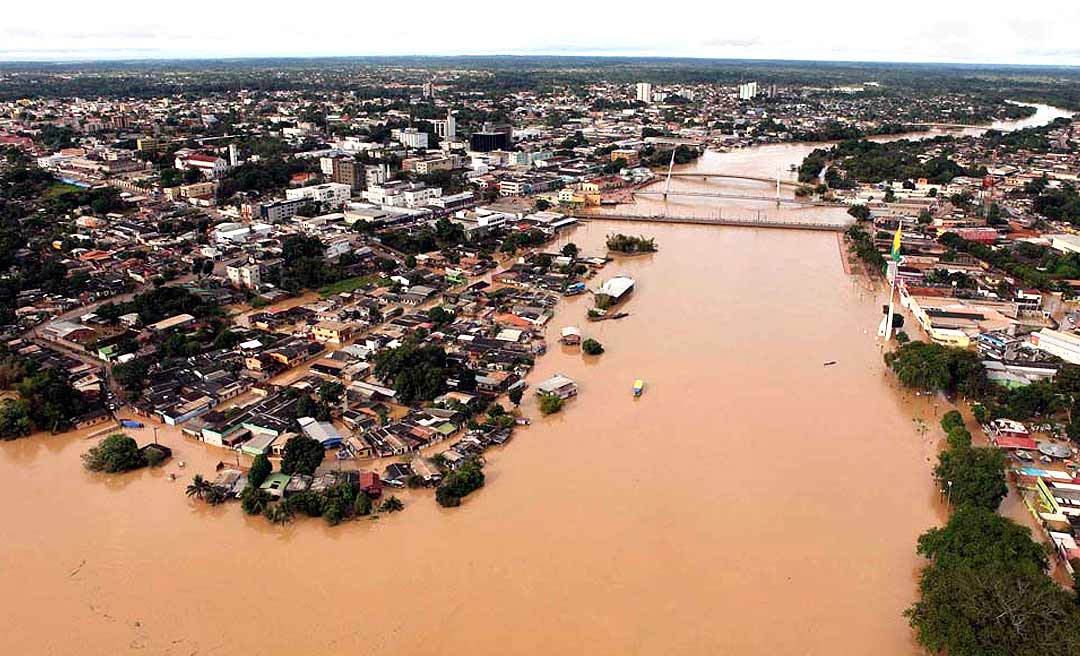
(1024, 455)
(639, 387)
(830, 363)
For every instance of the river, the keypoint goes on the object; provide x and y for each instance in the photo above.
(752, 501)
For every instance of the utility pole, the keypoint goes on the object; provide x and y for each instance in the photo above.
(155, 434)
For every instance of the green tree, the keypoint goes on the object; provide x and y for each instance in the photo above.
(973, 475)
(253, 500)
(995, 610)
(592, 347)
(115, 453)
(132, 374)
(199, 487)
(362, 505)
(550, 404)
(302, 455)
(978, 536)
(14, 419)
(459, 483)
(260, 469)
(516, 394)
(391, 504)
(570, 250)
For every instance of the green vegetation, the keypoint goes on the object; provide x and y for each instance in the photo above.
(459, 483)
(418, 372)
(516, 394)
(444, 234)
(863, 245)
(985, 593)
(985, 590)
(1035, 266)
(550, 404)
(972, 475)
(302, 455)
(621, 243)
(14, 419)
(391, 504)
(932, 368)
(116, 453)
(260, 469)
(871, 161)
(592, 347)
(369, 281)
(253, 500)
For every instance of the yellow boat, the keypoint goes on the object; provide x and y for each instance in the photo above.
(639, 387)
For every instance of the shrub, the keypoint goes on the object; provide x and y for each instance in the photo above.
(592, 347)
(550, 404)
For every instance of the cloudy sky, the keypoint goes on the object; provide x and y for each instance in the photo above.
(988, 31)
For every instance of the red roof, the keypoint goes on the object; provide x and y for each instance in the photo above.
(199, 157)
(1016, 443)
(370, 482)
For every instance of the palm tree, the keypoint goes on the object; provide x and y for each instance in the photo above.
(199, 487)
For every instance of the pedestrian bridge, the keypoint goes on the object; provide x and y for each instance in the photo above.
(715, 194)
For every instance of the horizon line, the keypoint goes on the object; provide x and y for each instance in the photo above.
(510, 55)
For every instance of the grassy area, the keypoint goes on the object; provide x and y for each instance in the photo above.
(59, 189)
(352, 284)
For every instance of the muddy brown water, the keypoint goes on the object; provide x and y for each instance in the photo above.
(752, 501)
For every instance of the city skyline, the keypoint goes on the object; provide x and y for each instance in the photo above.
(924, 32)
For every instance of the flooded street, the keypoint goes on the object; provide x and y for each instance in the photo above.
(752, 501)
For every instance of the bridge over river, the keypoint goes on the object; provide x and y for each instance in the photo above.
(745, 222)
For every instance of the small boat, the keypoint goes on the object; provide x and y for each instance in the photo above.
(830, 363)
(1024, 455)
(639, 387)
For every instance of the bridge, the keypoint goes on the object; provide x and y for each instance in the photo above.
(729, 176)
(715, 194)
(755, 222)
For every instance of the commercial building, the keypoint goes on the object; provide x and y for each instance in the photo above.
(412, 138)
(1063, 345)
(332, 195)
(494, 136)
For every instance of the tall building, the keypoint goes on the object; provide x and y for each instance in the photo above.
(748, 91)
(644, 92)
(446, 128)
(346, 170)
(234, 155)
(494, 136)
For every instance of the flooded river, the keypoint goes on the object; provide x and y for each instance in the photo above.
(752, 501)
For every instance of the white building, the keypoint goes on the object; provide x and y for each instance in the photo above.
(239, 233)
(748, 91)
(412, 138)
(644, 92)
(1063, 345)
(418, 197)
(333, 195)
(446, 128)
(246, 275)
(211, 166)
